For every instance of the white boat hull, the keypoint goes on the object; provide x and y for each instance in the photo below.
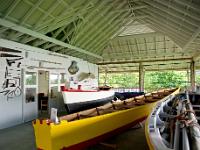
(77, 101)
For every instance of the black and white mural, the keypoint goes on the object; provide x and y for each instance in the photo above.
(10, 87)
(11, 77)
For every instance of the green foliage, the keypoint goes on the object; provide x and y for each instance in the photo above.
(156, 80)
(198, 79)
(153, 80)
(127, 80)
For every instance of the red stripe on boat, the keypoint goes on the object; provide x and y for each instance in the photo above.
(76, 90)
(34, 122)
(41, 121)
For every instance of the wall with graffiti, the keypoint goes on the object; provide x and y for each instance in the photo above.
(10, 88)
(16, 97)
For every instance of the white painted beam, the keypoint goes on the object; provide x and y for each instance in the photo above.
(146, 60)
(149, 53)
(91, 20)
(180, 22)
(141, 77)
(169, 26)
(129, 9)
(30, 12)
(16, 27)
(174, 13)
(27, 48)
(192, 75)
(189, 4)
(177, 39)
(193, 37)
(179, 9)
(11, 8)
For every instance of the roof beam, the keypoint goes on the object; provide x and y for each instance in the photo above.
(89, 19)
(67, 10)
(153, 66)
(48, 12)
(182, 33)
(163, 21)
(138, 61)
(174, 20)
(146, 69)
(149, 52)
(16, 27)
(143, 35)
(30, 11)
(129, 9)
(146, 56)
(172, 12)
(105, 34)
(193, 37)
(177, 39)
(179, 9)
(189, 4)
(11, 8)
(38, 42)
(101, 37)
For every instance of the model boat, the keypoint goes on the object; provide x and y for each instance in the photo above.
(174, 124)
(76, 99)
(84, 128)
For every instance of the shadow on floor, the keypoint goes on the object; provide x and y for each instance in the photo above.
(21, 137)
(133, 138)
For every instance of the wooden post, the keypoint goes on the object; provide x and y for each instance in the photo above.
(105, 78)
(141, 77)
(188, 78)
(192, 75)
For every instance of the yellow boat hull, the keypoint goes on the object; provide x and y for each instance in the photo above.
(81, 133)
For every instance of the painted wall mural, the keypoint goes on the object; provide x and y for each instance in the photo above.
(11, 85)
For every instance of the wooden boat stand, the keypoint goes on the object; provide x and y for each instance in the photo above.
(110, 146)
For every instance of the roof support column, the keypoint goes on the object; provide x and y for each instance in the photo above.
(141, 77)
(192, 75)
(105, 78)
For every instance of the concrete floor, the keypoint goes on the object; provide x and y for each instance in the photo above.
(21, 137)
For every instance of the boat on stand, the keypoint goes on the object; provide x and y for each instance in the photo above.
(174, 124)
(76, 99)
(82, 129)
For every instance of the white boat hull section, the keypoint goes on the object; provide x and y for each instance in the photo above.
(79, 97)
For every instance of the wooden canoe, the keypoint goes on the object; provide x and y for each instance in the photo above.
(82, 129)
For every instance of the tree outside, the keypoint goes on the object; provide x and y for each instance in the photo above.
(197, 77)
(166, 79)
(127, 80)
(153, 80)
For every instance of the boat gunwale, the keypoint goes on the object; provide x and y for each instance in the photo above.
(113, 111)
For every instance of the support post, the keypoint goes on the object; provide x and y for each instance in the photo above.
(192, 75)
(105, 78)
(141, 77)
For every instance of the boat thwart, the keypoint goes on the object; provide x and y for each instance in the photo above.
(174, 124)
